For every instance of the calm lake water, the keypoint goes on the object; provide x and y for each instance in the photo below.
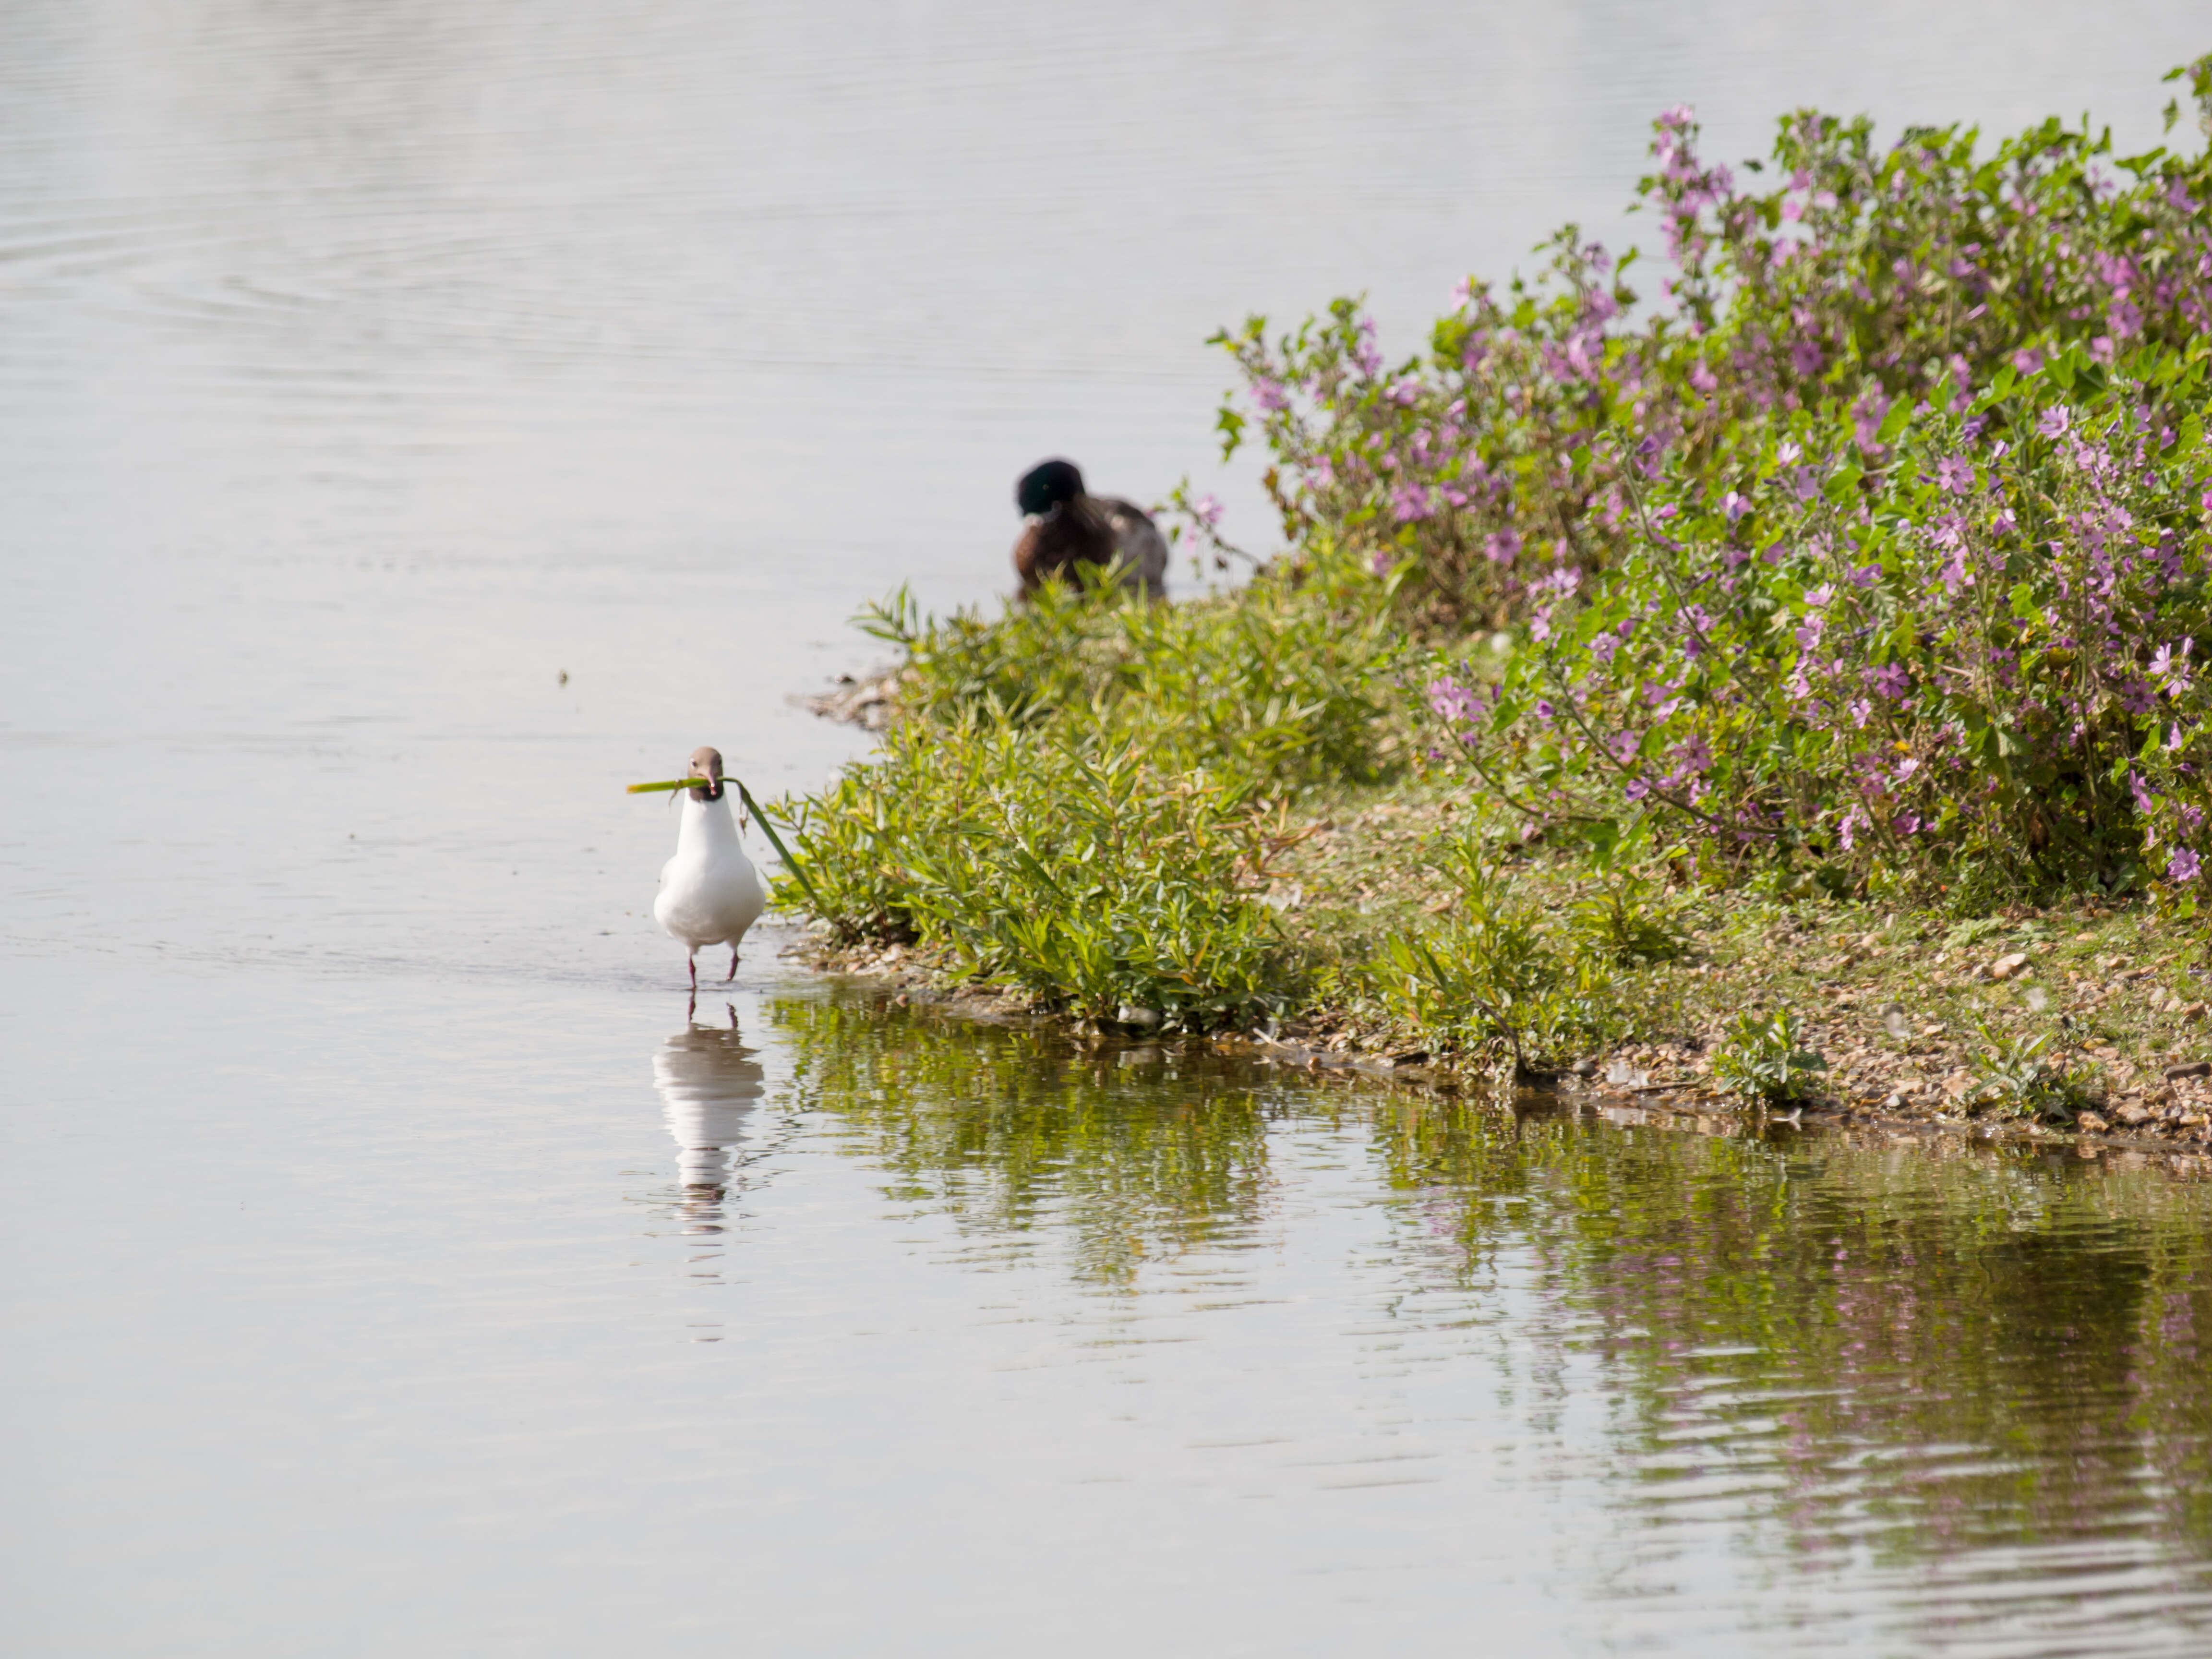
(388, 1263)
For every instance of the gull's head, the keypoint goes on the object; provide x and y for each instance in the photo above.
(1047, 486)
(707, 767)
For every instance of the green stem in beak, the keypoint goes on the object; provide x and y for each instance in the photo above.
(798, 870)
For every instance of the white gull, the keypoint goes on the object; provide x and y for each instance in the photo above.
(710, 893)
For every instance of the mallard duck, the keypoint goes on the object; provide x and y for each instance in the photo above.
(710, 893)
(1067, 526)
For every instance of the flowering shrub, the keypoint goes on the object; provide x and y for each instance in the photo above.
(1882, 542)
(1976, 648)
(1512, 452)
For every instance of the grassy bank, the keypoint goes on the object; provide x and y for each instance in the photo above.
(1788, 691)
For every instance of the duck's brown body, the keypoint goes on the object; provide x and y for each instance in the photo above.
(1094, 530)
(1084, 529)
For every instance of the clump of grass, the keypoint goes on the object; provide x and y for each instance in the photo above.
(1072, 798)
(1626, 917)
(1284, 683)
(1493, 978)
(1629, 921)
(1076, 871)
(2019, 1075)
(1763, 1057)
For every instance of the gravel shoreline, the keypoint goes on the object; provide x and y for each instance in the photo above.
(1665, 1085)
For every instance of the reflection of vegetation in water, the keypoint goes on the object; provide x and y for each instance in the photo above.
(1914, 1351)
(1135, 1152)
(1919, 1349)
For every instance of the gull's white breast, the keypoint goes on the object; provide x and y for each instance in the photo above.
(710, 893)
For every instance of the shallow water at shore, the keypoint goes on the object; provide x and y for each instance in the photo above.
(416, 423)
(547, 1320)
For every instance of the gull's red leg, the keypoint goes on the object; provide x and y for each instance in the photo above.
(732, 974)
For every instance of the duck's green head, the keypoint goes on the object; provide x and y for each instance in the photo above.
(1047, 486)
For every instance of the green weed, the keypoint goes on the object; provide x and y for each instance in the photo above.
(1284, 683)
(1492, 978)
(1763, 1057)
(2017, 1075)
(1076, 871)
(1071, 798)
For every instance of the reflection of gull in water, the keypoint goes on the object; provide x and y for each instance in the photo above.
(708, 1081)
